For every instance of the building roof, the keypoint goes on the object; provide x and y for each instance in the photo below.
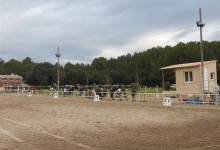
(11, 76)
(186, 65)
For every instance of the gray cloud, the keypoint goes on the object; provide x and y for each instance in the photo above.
(216, 35)
(86, 28)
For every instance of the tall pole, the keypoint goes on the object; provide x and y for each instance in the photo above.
(58, 70)
(201, 25)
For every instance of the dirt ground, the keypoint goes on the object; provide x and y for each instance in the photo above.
(44, 123)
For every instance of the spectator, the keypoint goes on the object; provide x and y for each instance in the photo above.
(111, 92)
(133, 93)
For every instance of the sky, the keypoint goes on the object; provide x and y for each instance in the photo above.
(86, 29)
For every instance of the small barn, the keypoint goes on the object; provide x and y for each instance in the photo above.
(10, 80)
(188, 77)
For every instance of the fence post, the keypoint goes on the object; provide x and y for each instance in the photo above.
(145, 91)
(157, 92)
(139, 97)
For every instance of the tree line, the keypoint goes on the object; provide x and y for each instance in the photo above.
(143, 67)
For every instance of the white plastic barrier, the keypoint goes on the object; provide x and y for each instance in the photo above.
(96, 98)
(30, 93)
(19, 92)
(55, 95)
(24, 92)
(167, 102)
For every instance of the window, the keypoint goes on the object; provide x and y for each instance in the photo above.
(188, 76)
(212, 76)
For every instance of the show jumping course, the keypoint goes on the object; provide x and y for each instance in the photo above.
(44, 123)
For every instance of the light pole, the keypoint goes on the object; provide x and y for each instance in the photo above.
(200, 24)
(58, 70)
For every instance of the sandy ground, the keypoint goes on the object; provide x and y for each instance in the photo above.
(43, 123)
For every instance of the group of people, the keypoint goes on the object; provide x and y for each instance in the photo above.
(118, 93)
(114, 92)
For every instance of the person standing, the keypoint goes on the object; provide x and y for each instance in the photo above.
(133, 93)
(111, 92)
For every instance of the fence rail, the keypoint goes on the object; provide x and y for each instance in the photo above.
(176, 98)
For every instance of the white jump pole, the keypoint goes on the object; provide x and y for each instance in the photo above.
(158, 96)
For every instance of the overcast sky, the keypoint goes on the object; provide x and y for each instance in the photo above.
(86, 29)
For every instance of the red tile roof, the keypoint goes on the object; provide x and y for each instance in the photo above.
(11, 76)
(186, 65)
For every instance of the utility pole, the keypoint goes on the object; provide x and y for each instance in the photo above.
(200, 24)
(58, 70)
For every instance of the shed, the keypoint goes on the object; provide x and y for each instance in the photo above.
(10, 80)
(188, 77)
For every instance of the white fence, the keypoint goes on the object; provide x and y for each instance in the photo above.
(176, 98)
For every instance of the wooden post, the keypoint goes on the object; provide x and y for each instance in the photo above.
(163, 80)
(157, 92)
